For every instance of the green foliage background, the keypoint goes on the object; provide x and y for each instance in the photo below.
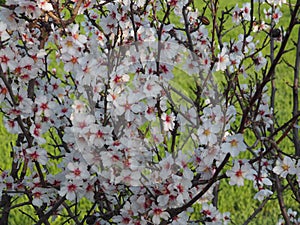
(238, 200)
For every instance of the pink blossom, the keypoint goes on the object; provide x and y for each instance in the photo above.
(78, 39)
(129, 177)
(77, 170)
(79, 107)
(150, 113)
(119, 80)
(239, 172)
(44, 5)
(40, 196)
(158, 214)
(29, 8)
(187, 116)
(168, 121)
(246, 11)
(44, 106)
(129, 105)
(182, 161)
(71, 190)
(7, 59)
(276, 15)
(285, 167)
(71, 61)
(102, 116)
(99, 136)
(259, 62)
(207, 133)
(211, 213)
(180, 187)
(223, 60)
(10, 18)
(3, 34)
(236, 15)
(263, 193)
(89, 190)
(37, 130)
(37, 154)
(156, 136)
(166, 166)
(234, 145)
(11, 125)
(181, 218)
(152, 87)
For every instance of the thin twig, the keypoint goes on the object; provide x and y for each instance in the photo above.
(296, 139)
(256, 211)
(281, 200)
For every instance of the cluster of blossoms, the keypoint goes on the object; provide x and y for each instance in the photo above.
(98, 118)
(292, 216)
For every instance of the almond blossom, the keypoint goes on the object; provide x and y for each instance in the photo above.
(29, 9)
(223, 60)
(246, 11)
(262, 194)
(234, 144)
(158, 214)
(7, 59)
(236, 15)
(79, 39)
(166, 167)
(277, 14)
(77, 171)
(285, 167)
(239, 172)
(169, 121)
(3, 34)
(180, 188)
(259, 61)
(44, 5)
(207, 133)
(37, 154)
(71, 190)
(211, 214)
(129, 106)
(91, 91)
(40, 196)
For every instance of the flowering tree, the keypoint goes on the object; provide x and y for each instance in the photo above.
(107, 133)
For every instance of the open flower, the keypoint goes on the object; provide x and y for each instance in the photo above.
(210, 212)
(37, 154)
(239, 172)
(72, 190)
(158, 214)
(246, 11)
(168, 121)
(207, 133)
(77, 171)
(3, 34)
(129, 105)
(234, 145)
(40, 196)
(263, 193)
(44, 5)
(285, 167)
(223, 60)
(236, 15)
